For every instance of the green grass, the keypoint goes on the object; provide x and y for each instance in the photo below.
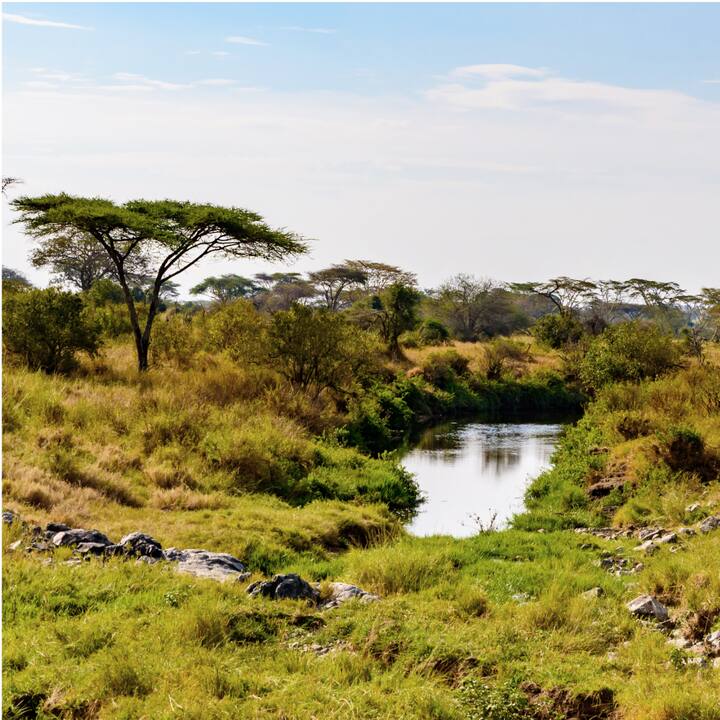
(461, 623)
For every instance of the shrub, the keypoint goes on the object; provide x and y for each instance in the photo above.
(558, 330)
(497, 353)
(240, 330)
(443, 368)
(433, 332)
(47, 327)
(174, 338)
(315, 349)
(628, 352)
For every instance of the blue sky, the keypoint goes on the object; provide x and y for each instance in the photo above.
(511, 141)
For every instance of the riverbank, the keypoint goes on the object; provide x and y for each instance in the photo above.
(531, 622)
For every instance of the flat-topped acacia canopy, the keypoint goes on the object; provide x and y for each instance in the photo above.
(174, 235)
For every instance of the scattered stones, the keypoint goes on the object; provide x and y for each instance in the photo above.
(91, 548)
(78, 536)
(342, 593)
(320, 650)
(649, 534)
(592, 593)
(12, 547)
(619, 565)
(648, 606)
(690, 509)
(8, 517)
(712, 522)
(206, 564)
(283, 587)
(141, 545)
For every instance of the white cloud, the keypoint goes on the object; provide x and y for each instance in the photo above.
(318, 30)
(711, 82)
(513, 87)
(219, 82)
(244, 40)
(219, 53)
(546, 189)
(142, 81)
(23, 20)
(498, 71)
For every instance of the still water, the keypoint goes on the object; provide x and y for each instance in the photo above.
(470, 472)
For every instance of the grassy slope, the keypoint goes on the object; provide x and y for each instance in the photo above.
(123, 640)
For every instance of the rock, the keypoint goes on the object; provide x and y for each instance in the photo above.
(77, 536)
(713, 640)
(54, 527)
(595, 592)
(650, 534)
(90, 548)
(141, 545)
(342, 593)
(12, 547)
(679, 642)
(685, 531)
(8, 517)
(206, 564)
(521, 597)
(670, 537)
(692, 508)
(604, 487)
(710, 523)
(283, 587)
(647, 606)
(648, 547)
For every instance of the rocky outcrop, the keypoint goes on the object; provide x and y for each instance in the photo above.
(207, 564)
(648, 607)
(285, 587)
(342, 593)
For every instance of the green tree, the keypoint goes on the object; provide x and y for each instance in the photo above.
(566, 294)
(176, 235)
(78, 261)
(394, 311)
(315, 348)
(629, 351)
(225, 288)
(333, 282)
(47, 327)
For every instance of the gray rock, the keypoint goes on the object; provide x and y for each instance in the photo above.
(692, 508)
(206, 564)
(12, 547)
(342, 593)
(141, 545)
(8, 517)
(648, 547)
(90, 548)
(595, 592)
(685, 531)
(710, 523)
(670, 537)
(284, 587)
(54, 527)
(77, 536)
(647, 606)
(650, 534)
(713, 640)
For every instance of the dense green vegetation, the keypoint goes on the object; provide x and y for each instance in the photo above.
(263, 424)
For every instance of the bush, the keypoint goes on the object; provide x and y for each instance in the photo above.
(497, 353)
(315, 348)
(558, 330)
(47, 327)
(240, 330)
(174, 338)
(443, 368)
(433, 332)
(628, 352)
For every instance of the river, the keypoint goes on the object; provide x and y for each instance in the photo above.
(474, 473)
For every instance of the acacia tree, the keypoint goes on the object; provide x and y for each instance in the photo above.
(332, 282)
(77, 260)
(173, 235)
(393, 311)
(225, 288)
(565, 293)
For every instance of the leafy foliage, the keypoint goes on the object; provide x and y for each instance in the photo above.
(47, 327)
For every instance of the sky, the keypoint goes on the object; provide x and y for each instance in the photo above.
(511, 141)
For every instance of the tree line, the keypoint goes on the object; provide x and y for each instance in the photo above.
(132, 253)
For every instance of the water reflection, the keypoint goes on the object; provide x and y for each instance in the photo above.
(472, 471)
